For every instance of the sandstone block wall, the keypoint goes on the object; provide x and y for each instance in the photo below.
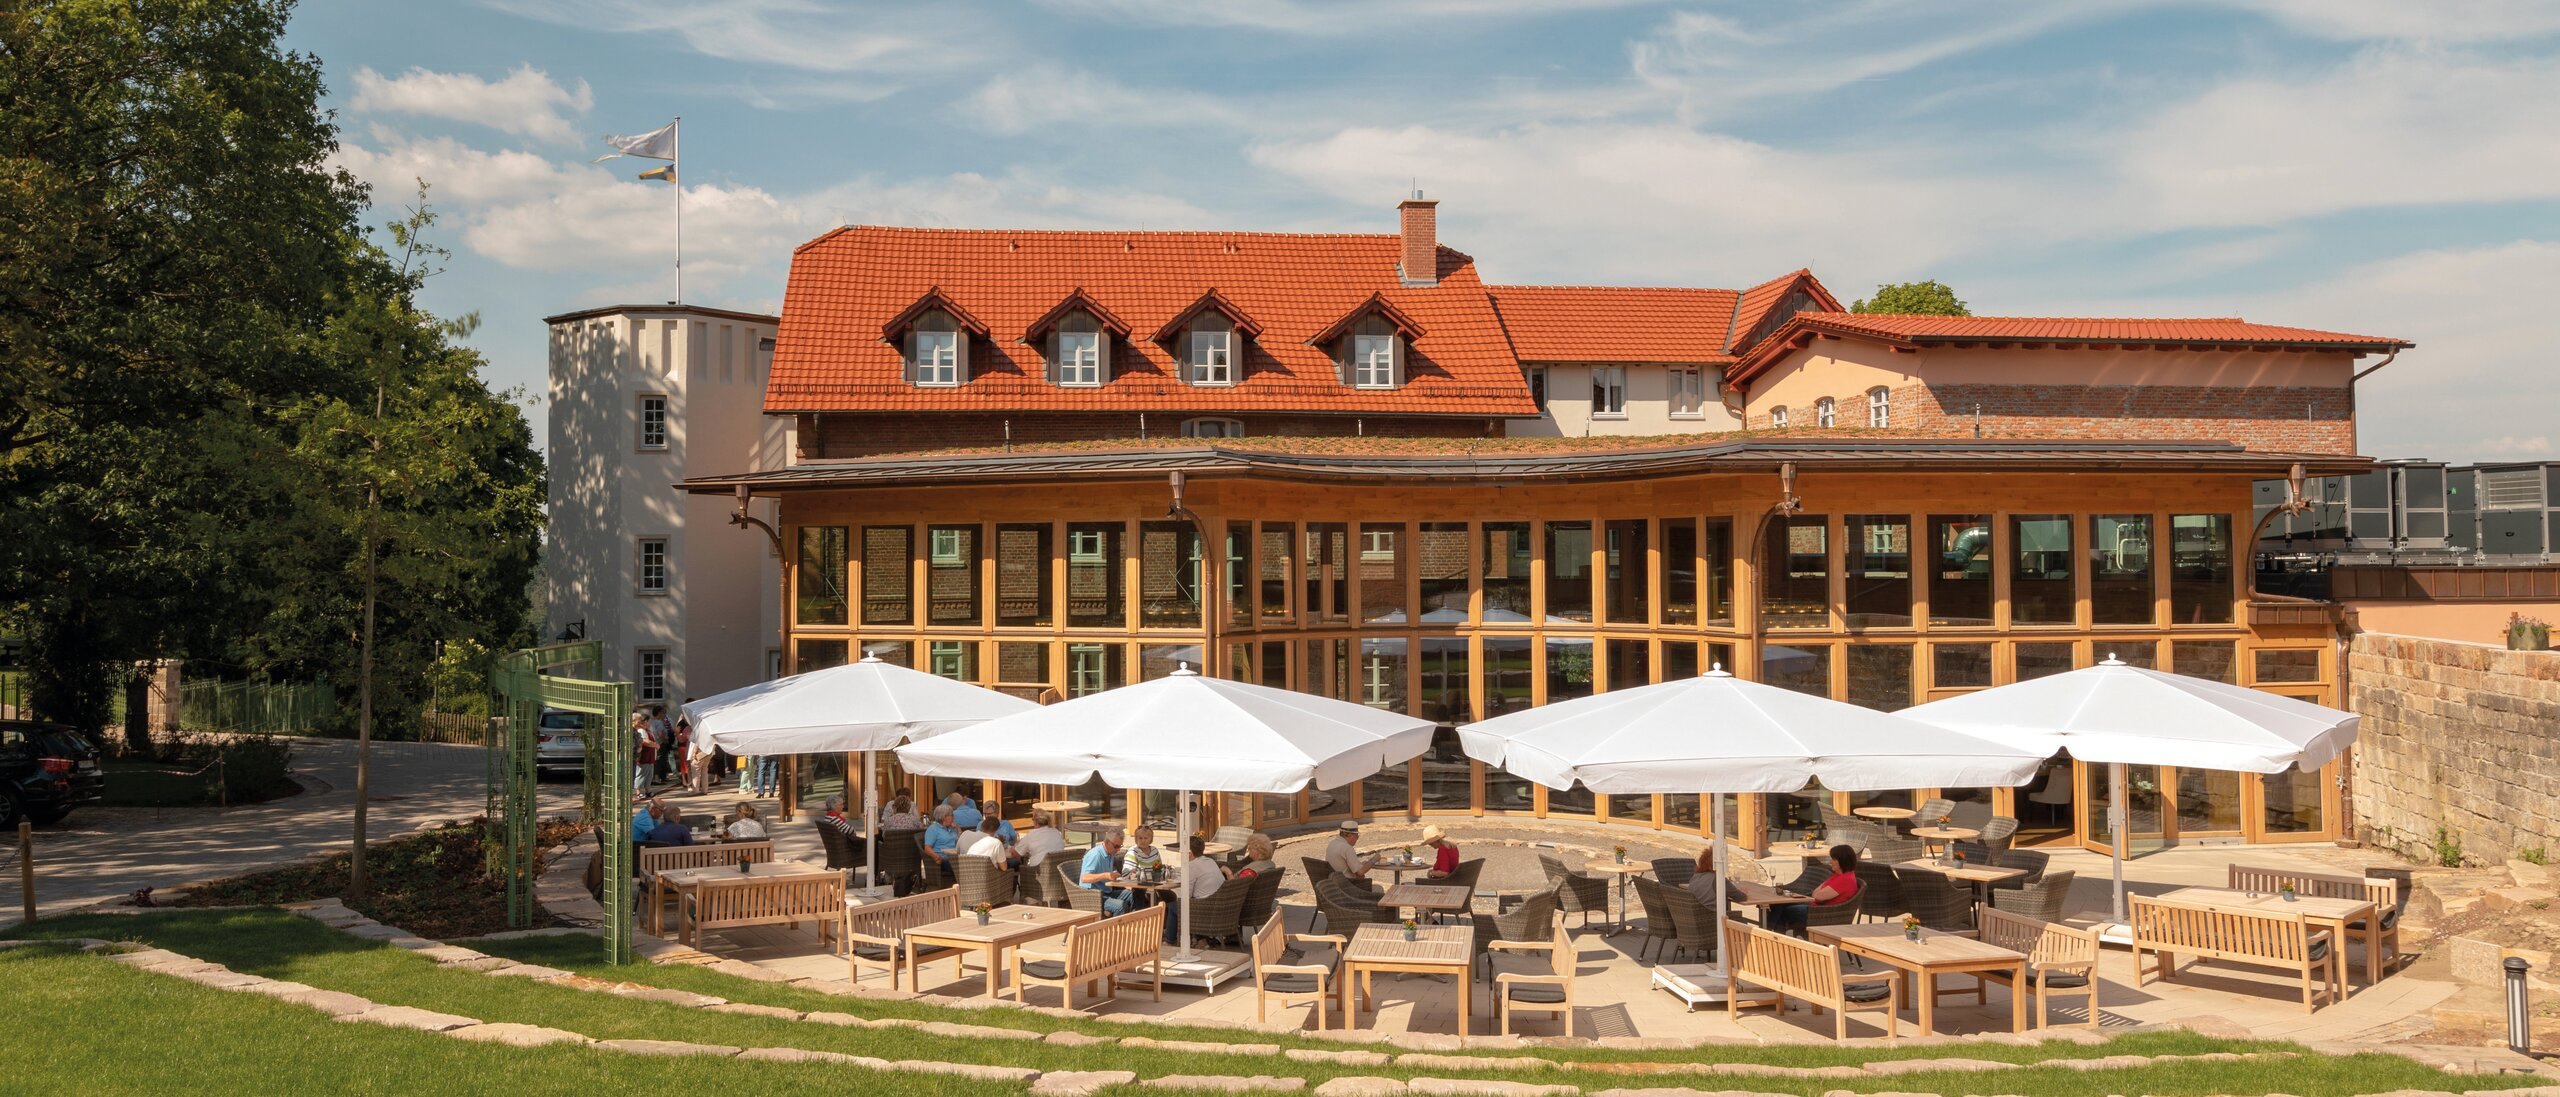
(2462, 736)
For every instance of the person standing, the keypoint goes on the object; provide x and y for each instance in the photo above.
(644, 755)
(665, 735)
(686, 770)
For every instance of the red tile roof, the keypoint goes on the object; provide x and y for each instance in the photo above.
(1616, 323)
(845, 286)
(1753, 309)
(1923, 331)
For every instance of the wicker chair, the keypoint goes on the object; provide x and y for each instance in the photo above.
(1742, 867)
(1975, 853)
(1933, 813)
(1318, 870)
(1463, 876)
(1220, 917)
(1996, 832)
(2032, 860)
(930, 874)
(1674, 871)
(1843, 829)
(1575, 893)
(1835, 914)
(1233, 837)
(1657, 914)
(1041, 885)
(1939, 902)
(1079, 897)
(982, 881)
(901, 857)
(1260, 902)
(1815, 872)
(2045, 900)
(839, 853)
(1879, 891)
(1693, 924)
(1344, 910)
(1893, 849)
(1532, 920)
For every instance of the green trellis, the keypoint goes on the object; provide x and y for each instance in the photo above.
(526, 684)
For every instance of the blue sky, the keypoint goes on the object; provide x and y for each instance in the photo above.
(2374, 166)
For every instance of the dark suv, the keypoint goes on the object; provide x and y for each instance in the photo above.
(45, 771)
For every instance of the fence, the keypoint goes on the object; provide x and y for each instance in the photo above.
(282, 708)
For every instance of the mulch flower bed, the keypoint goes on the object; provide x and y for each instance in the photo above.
(440, 884)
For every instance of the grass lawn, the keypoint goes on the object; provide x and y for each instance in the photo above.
(282, 946)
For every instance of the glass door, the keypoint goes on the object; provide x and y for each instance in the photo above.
(2146, 823)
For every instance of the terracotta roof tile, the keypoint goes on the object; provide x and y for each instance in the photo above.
(1920, 331)
(1616, 323)
(1752, 311)
(829, 355)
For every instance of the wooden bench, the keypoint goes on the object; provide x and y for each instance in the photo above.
(656, 859)
(2380, 934)
(875, 933)
(1802, 969)
(1094, 954)
(777, 900)
(2060, 959)
(2268, 938)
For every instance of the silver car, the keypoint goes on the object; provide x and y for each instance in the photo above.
(561, 745)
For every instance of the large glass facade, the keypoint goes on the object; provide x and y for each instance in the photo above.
(1440, 559)
(1386, 566)
(1802, 668)
(888, 581)
(1718, 595)
(1880, 676)
(1444, 681)
(1236, 564)
(2040, 583)
(1171, 573)
(1959, 666)
(1094, 572)
(1506, 573)
(1448, 775)
(1277, 544)
(2041, 660)
(2200, 569)
(1328, 571)
(1510, 676)
(1627, 573)
(1797, 573)
(818, 580)
(2121, 591)
(951, 575)
(1630, 663)
(1022, 576)
(1568, 571)
(1960, 570)
(1876, 555)
(1679, 571)
(820, 655)
(1382, 675)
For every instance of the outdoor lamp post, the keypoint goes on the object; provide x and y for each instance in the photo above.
(2519, 1008)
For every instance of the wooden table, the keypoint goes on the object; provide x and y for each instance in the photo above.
(1437, 898)
(1434, 950)
(1623, 870)
(2329, 914)
(1921, 962)
(1007, 927)
(1982, 877)
(683, 881)
(1943, 834)
(1761, 896)
(1889, 815)
(1397, 866)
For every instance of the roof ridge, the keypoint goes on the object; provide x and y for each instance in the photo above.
(1204, 233)
(2109, 319)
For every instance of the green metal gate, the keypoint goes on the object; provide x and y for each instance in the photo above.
(524, 690)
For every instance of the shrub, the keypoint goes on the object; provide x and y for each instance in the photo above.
(2533, 856)
(2448, 849)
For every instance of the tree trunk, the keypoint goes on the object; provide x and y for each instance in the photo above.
(357, 886)
(137, 715)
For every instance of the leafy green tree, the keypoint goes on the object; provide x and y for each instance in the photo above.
(1914, 298)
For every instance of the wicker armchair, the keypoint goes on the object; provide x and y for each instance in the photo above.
(901, 856)
(1893, 849)
(931, 875)
(1532, 920)
(1657, 914)
(1318, 871)
(1996, 832)
(1815, 872)
(1263, 899)
(2032, 860)
(1939, 902)
(1879, 891)
(982, 881)
(1345, 910)
(1079, 897)
(1220, 917)
(1463, 876)
(1933, 813)
(1674, 871)
(1693, 923)
(838, 847)
(1843, 829)
(1040, 884)
(2045, 900)
(1835, 914)
(1575, 893)
(1233, 837)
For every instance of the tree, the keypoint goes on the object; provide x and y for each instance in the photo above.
(1914, 298)
(425, 481)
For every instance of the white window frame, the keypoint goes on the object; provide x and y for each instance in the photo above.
(1213, 357)
(942, 556)
(1373, 361)
(1077, 538)
(1778, 417)
(650, 567)
(648, 686)
(1689, 387)
(957, 651)
(1377, 686)
(938, 359)
(1608, 392)
(1080, 358)
(1378, 544)
(1212, 427)
(1826, 412)
(1879, 407)
(1538, 387)
(1088, 669)
(654, 421)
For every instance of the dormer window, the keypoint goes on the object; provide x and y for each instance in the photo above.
(1212, 428)
(1079, 358)
(1212, 357)
(1074, 337)
(937, 358)
(933, 336)
(1373, 361)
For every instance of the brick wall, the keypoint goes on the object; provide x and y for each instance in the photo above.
(2460, 736)
(2292, 420)
(855, 435)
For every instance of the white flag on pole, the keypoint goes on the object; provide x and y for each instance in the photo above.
(657, 144)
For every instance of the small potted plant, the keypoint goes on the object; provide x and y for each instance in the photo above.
(1621, 851)
(1410, 929)
(2285, 891)
(1910, 928)
(1406, 853)
(983, 910)
(2527, 633)
(1959, 856)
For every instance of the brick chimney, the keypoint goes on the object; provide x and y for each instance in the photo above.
(1419, 263)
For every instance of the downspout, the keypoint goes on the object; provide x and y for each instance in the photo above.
(782, 620)
(1212, 586)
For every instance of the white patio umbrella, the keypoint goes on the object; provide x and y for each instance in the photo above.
(1717, 734)
(1186, 733)
(2123, 715)
(866, 706)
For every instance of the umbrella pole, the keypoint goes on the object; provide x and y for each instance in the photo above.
(871, 822)
(2117, 820)
(1182, 953)
(1715, 826)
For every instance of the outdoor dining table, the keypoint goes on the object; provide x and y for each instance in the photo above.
(1624, 871)
(1005, 928)
(1061, 810)
(1982, 877)
(2329, 914)
(1434, 950)
(1888, 815)
(685, 881)
(1435, 898)
(1398, 865)
(1922, 961)
(1943, 834)
(1759, 896)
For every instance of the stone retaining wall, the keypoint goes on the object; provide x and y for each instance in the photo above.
(2460, 736)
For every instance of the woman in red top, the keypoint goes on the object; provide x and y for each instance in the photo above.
(1841, 887)
(1444, 858)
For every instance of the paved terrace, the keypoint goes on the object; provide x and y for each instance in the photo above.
(1614, 988)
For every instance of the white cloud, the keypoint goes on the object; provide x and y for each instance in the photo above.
(1322, 17)
(526, 102)
(875, 47)
(2432, 21)
(1049, 97)
(1717, 63)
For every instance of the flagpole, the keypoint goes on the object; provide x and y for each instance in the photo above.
(677, 160)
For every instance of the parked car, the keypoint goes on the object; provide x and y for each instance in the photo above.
(561, 745)
(45, 771)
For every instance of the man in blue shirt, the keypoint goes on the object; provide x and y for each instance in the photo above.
(643, 820)
(1101, 867)
(941, 839)
(964, 811)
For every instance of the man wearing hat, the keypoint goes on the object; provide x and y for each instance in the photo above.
(1444, 856)
(1343, 856)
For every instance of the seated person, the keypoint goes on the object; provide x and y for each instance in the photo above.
(988, 844)
(746, 827)
(644, 819)
(1035, 845)
(1201, 878)
(1258, 852)
(1143, 855)
(941, 837)
(1841, 887)
(900, 814)
(835, 817)
(964, 811)
(1703, 884)
(1343, 856)
(1444, 853)
(1101, 872)
(670, 829)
